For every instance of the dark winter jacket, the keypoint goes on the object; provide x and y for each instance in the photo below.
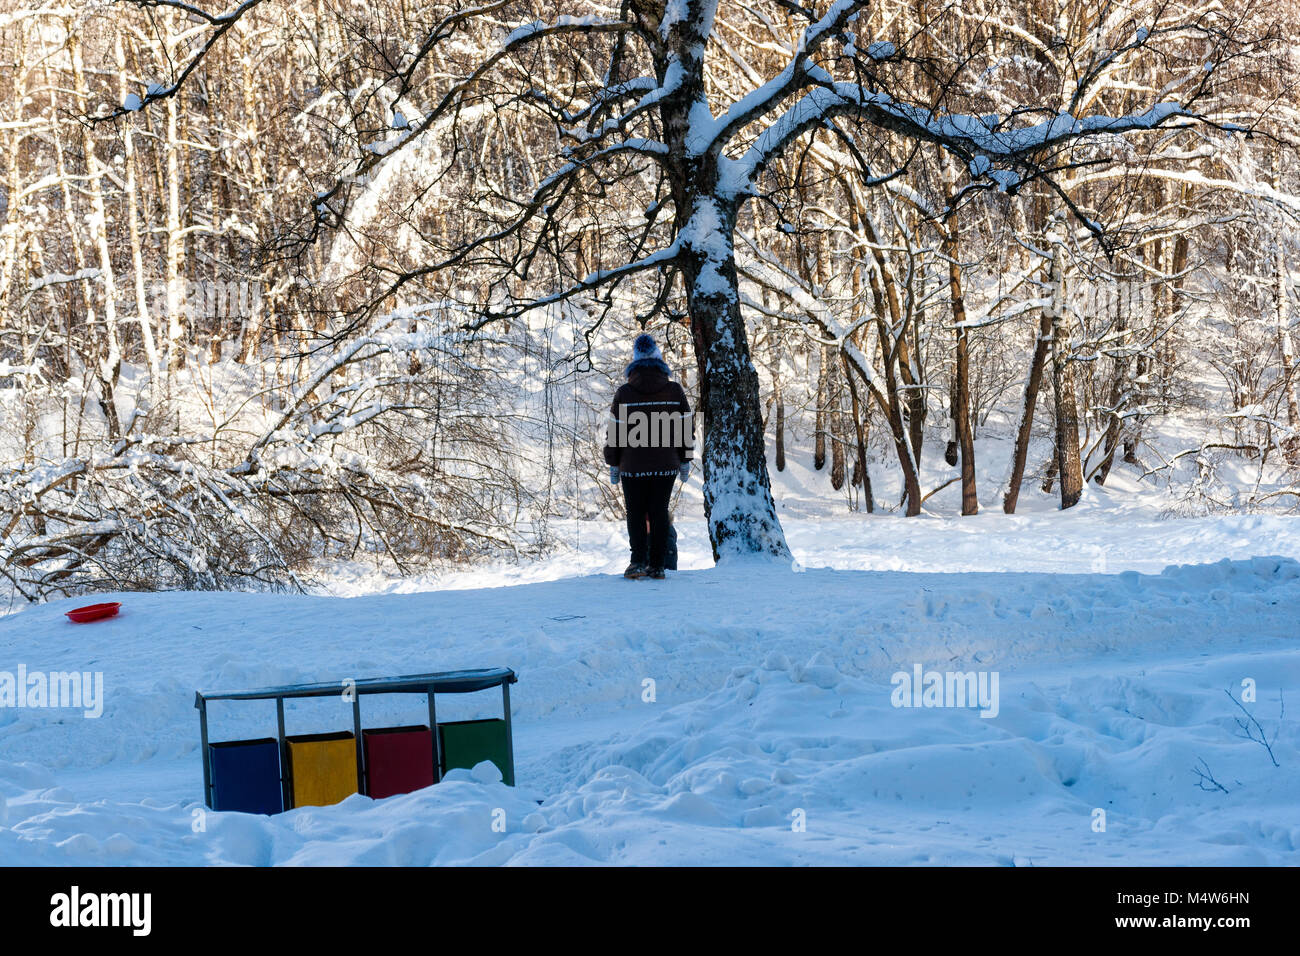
(651, 429)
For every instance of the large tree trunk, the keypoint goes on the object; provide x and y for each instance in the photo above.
(737, 493)
(738, 501)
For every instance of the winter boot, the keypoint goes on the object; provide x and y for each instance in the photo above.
(635, 570)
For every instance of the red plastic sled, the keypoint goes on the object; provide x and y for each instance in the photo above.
(93, 612)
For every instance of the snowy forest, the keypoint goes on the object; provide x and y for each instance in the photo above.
(290, 282)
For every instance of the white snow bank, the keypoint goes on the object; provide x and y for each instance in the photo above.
(771, 707)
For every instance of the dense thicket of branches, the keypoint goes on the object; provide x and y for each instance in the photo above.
(279, 281)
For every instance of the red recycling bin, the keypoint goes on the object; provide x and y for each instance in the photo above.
(398, 760)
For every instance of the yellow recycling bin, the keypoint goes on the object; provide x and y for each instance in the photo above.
(323, 768)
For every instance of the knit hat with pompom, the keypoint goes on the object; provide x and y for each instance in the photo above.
(644, 347)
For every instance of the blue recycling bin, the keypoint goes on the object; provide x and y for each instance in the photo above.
(246, 775)
(273, 774)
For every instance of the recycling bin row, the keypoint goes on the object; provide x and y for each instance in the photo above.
(321, 769)
(273, 774)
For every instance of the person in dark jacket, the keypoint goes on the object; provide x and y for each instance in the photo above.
(649, 443)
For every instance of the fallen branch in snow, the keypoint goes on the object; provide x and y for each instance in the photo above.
(1205, 778)
(1253, 730)
(935, 491)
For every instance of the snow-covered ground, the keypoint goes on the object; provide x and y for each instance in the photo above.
(773, 735)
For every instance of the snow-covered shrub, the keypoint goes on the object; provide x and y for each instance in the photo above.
(389, 444)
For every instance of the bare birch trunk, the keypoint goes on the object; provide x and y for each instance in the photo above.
(173, 354)
(147, 342)
(108, 354)
(961, 374)
(1068, 464)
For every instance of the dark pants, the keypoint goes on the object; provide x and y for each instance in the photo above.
(647, 498)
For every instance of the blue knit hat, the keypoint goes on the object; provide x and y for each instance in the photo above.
(644, 347)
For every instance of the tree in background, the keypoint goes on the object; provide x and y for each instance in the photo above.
(855, 207)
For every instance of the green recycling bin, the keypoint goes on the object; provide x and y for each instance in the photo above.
(469, 742)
